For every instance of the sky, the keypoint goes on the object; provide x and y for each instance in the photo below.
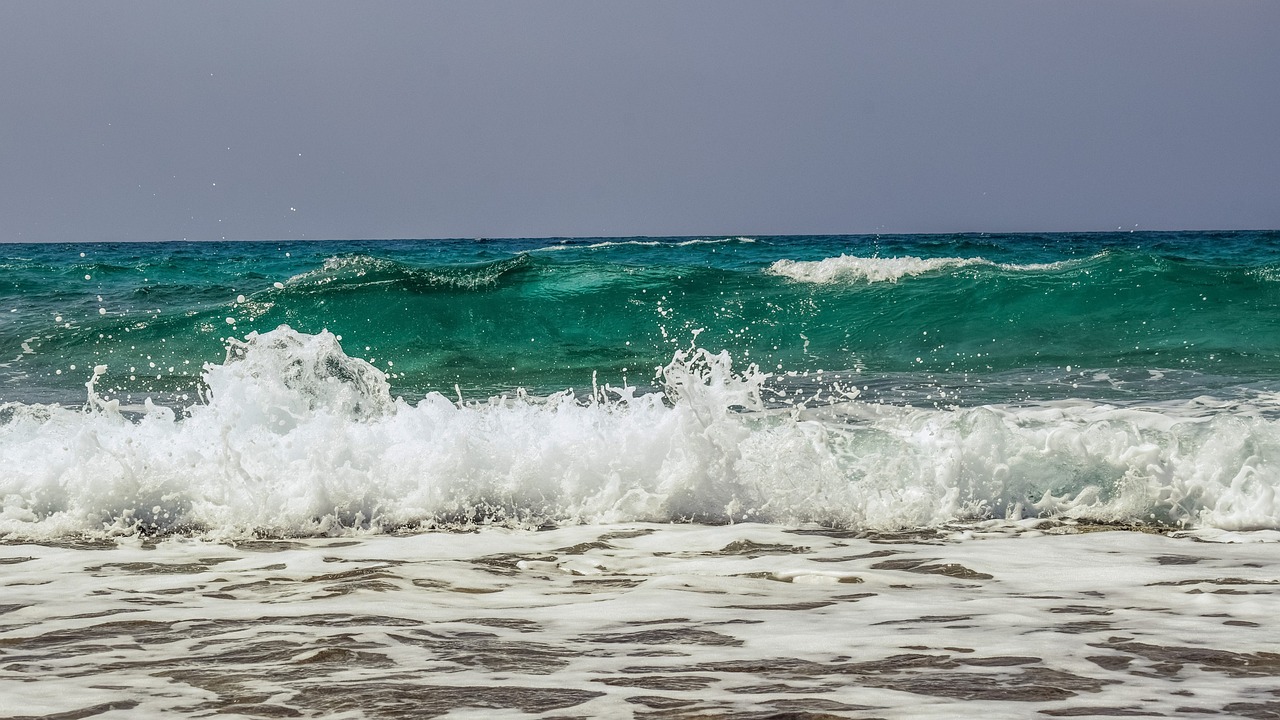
(484, 118)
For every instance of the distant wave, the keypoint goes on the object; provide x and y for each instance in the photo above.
(850, 268)
(645, 243)
(366, 270)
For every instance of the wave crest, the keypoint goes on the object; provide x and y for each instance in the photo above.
(851, 268)
(645, 243)
(361, 271)
(297, 438)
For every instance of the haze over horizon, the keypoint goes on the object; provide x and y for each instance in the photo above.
(322, 120)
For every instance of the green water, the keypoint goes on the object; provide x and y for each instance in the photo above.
(1199, 312)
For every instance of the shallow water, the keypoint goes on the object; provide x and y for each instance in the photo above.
(234, 389)
(908, 477)
(1006, 317)
(639, 620)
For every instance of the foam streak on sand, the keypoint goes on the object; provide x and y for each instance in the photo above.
(298, 438)
(684, 621)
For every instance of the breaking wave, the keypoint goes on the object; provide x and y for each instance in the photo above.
(644, 243)
(363, 271)
(294, 437)
(850, 268)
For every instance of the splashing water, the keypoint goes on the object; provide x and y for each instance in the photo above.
(298, 438)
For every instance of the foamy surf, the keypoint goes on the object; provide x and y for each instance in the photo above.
(850, 268)
(643, 244)
(297, 438)
(736, 622)
(934, 470)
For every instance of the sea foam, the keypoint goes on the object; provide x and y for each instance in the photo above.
(295, 437)
(645, 243)
(851, 268)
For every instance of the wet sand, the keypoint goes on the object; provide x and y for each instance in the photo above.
(647, 621)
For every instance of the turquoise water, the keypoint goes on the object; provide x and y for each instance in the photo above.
(285, 389)
(1198, 311)
(899, 437)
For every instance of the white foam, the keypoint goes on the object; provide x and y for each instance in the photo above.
(851, 268)
(1266, 273)
(647, 243)
(296, 437)
(997, 627)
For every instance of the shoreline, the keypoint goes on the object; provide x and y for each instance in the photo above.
(644, 620)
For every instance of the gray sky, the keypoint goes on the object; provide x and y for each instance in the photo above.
(169, 120)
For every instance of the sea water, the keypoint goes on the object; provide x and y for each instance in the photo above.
(898, 476)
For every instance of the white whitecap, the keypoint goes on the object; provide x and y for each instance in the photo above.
(297, 438)
(851, 268)
(645, 243)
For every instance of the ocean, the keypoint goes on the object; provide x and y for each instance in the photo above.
(703, 477)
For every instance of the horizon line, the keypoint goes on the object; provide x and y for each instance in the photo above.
(962, 233)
